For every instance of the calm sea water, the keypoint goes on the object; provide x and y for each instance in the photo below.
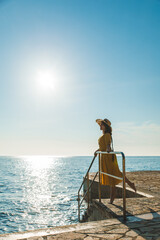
(40, 191)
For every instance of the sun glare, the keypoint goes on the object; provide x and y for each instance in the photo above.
(38, 162)
(45, 82)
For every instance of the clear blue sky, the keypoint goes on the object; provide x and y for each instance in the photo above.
(103, 60)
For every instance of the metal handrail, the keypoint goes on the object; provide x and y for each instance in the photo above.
(100, 172)
(87, 173)
(88, 189)
(119, 178)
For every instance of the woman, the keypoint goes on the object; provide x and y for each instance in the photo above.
(109, 162)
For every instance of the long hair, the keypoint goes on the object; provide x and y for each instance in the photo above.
(107, 129)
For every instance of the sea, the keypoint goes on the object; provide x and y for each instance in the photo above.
(41, 191)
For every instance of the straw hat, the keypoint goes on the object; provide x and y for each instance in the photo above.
(105, 121)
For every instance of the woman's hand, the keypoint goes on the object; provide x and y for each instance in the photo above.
(95, 153)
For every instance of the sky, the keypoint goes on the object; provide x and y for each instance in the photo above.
(65, 63)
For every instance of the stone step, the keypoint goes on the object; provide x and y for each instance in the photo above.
(145, 226)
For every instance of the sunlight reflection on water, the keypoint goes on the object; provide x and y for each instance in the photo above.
(39, 188)
(38, 192)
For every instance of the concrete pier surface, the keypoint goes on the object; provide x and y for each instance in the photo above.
(143, 216)
(145, 200)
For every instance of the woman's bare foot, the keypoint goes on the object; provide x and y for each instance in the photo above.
(112, 194)
(131, 184)
(111, 201)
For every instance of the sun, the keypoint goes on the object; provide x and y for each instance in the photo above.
(45, 82)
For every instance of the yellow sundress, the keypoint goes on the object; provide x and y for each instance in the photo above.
(108, 165)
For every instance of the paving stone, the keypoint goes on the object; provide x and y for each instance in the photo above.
(36, 238)
(132, 233)
(148, 234)
(145, 229)
(67, 236)
(119, 230)
(91, 238)
(108, 236)
(126, 238)
(99, 229)
(140, 238)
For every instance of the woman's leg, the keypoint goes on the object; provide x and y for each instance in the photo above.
(112, 193)
(131, 184)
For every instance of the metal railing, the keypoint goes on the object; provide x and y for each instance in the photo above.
(99, 172)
